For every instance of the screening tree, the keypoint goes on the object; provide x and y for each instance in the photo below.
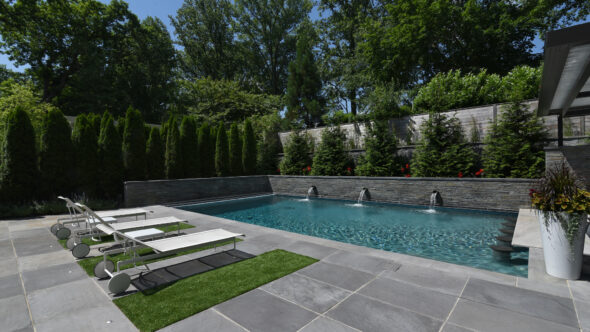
(111, 159)
(134, 146)
(155, 155)
(380, 151)
(189, 146)
(235, 150)
(56, 155)
(249, 149)
(173, 151)
(221, 152)
(86, 146)
(331, 157)
(205, 151)
(296, 156)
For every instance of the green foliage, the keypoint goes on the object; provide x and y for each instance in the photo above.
(18, 159)
(189, 146)
(173, 160)
(380, 151)
(452, 90)
(206, 151)
(86, 152)
(222, 152)
(111, 159)
(269, 144)
(220, 100)
(134, 146)
(155, 155)
(56, 155)
(95, 122)
(331, 157)
(296, 157)
(443, 150)
(235, 151)
(514, 146)
(120, 125)
(249, 149)
(304, 85)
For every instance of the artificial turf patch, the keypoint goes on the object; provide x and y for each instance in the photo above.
(88, 263)
(200, 292)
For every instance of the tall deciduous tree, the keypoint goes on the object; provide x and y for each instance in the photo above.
(205, 30)
(221, 152)
(304, 99)
(111, 158)
(18, 159)
(189, 145)
(174, 163)
(134, 146)
(249, 149)
(155, 155)
(56, 155)
(267, 30)
(86, 146)
(235, 150)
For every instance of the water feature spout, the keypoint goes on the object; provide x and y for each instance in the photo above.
(311, 191)
(435, 199)
(364, 193)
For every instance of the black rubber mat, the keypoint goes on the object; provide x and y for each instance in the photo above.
(170, 274)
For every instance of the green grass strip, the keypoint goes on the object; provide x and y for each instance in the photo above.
(197, 293)
(109, 238)
(88, 263)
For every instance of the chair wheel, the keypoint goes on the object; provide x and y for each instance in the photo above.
(71, 243)
(80, 250)
(63, 233)
(99, 269)
(54, 228)
(119, 283)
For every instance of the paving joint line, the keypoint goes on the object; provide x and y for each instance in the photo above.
(574, 304)
(224, 316)
(22, 283)
(455, 305)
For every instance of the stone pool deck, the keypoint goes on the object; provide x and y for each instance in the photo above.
(351, 288)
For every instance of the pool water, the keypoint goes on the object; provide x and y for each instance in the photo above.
(450, 235)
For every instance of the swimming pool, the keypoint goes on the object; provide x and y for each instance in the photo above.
(450, 235)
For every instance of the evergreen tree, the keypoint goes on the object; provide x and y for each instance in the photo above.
(155, 156)
(443, 150)
(18, 159)
(380, 151)
(95, 122)
(205, 151)
(296, 157)
(86, 146)
(331, 157)
(173, 160)
(213, 137)
(134, 146)
(111, 158)
(221, 152)
(304, 85)
(269, 146)
(235, 150)
(56, 155)
(249, 149)
(189, 146)
(514, 146)
(120, 126)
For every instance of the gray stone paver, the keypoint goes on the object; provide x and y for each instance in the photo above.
(365, 263)
(52, 276)
(323, 324)
(102, 318)
(29, 246)
(258, 310)
(440, 281)
(35, 262)
(8, 266)
(208, 320)
(583, 309)
(14, 314)
(310, 249)
(455, 328)
(306, 292)
(10, 286)
(337, 275)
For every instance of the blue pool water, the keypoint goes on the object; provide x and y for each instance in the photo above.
(449, 235)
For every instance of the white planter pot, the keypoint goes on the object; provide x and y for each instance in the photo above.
(562, 260)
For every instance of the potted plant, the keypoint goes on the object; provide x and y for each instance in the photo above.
(562, 210)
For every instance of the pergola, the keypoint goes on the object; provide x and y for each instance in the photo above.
(565, 85)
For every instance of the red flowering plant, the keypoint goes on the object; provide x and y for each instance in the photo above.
(480, 172)
(460, 175)
(306, 170)
(348, 171)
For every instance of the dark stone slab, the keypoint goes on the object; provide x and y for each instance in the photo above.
(258, 310)
(310, 249)
(323, 324)
(52, 276)
(10, 286)
(360, 262)
(207, 320)
(440, 281)
(36, 245)
(337, 275)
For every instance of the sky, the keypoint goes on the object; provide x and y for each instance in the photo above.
(164, 8)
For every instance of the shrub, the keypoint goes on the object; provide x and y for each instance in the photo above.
(443, 150)
(86, 146)
(296, 156)
(221, 152)
(514, 146)
(249, 149)
(56, 155)
(189, 146)
(206, 151)
(380, 151)
(331, 157)
(155, 156)
(235, 150)
(173, 160)
(134, 146)
(18, 159)
(111, 158)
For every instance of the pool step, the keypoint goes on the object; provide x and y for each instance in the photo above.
(504, 238)
(507, 231)
(502, 248)
(509, 224)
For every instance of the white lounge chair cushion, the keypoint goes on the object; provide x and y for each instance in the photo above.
(122, 213)
(105, 219)
(137, 224)
(192, 240)
(143, 234)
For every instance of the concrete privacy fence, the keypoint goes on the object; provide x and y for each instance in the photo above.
(485, 194)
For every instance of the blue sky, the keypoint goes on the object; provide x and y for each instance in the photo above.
(163, 8)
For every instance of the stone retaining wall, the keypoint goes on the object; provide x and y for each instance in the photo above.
(484, 194)
(140, 193)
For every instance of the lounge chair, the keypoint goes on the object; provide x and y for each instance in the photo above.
(76, 216)
(120, 281)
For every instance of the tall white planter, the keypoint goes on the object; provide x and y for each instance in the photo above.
(562, 260)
